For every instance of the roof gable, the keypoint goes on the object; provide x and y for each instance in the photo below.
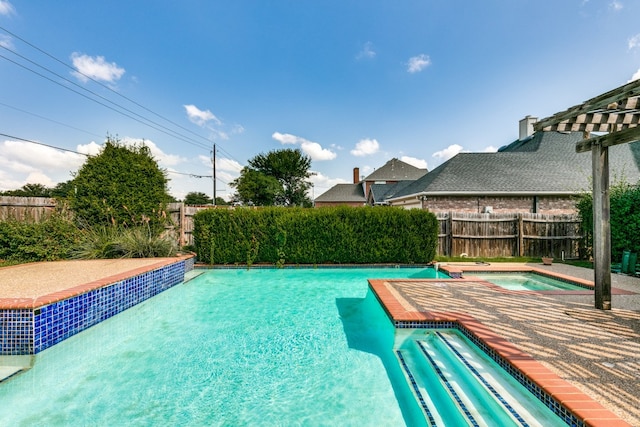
(396, 170)
(343, 193)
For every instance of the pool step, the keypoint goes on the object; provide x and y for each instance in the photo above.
(12, 365)
(448, 376)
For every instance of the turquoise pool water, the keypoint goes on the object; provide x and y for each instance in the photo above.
(230, 347)
(526, 282)
(268, 347)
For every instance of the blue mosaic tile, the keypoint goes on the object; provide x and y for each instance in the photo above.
(29, 331)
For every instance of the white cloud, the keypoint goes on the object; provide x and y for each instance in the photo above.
(200, 117)
(366, 147)
(616, 5)
(6, 8)
(91, 149)
(447, 153)
(164, 160)
(6, 42)
(322, 183)
(310, 148)
(96, 68)
(634, 42)
(367, 52)
(418, 63)
(635, 77)
(419, 163)
(490, 149)
(26, 163)
(285, 138)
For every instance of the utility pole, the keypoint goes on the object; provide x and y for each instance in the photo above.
(213, 160)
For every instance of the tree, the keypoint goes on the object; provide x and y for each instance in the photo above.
(122, 186)
(278, 178)
(30, 190)
(197, 198)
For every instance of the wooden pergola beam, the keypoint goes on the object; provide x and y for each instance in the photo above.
(613, 97)
(609, 140)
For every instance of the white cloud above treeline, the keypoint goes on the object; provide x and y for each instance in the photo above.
(310, 148)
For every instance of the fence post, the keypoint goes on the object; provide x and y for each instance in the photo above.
(449, 238)
(520, 233)
(182, 224)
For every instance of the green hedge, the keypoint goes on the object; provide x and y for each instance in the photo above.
(340, 235)
(49, 240)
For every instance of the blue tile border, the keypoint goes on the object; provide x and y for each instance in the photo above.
(31, 330)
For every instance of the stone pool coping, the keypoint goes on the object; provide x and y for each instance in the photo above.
(407, 303)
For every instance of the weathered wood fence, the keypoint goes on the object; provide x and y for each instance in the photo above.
(507, 235)
(32, 209)
(182, 219)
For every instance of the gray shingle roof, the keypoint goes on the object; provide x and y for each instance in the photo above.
(543, 164)
(343, 193)
(396, 170)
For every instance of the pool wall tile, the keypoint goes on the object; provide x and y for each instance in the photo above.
(31, 330)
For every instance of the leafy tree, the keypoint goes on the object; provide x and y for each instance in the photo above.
(221, 202)
(256, 188)
(30, 190)
(121, 186)
(290, 170)
(197, 198)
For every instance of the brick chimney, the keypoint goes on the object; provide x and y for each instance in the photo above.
(526, 127)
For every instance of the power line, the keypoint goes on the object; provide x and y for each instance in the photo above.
(101, 84)
(192, 175)
(43, 144)
(160, 127)
(50, 120)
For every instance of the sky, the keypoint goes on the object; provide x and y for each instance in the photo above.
(351, 83)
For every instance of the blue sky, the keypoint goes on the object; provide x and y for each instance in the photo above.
(351, 83)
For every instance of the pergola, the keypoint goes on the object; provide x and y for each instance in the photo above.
(617, 114)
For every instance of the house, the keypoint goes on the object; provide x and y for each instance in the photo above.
(540, 172)
(373, 189)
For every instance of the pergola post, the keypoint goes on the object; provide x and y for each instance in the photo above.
(601, 227)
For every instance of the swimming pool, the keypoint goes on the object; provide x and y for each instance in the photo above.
(230, 347)
(526, 281)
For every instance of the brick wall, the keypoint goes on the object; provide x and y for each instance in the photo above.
(521, 204)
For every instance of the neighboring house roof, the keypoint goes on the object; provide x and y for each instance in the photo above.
(545, 163)
(343, 193)
(396, 170)
(379, 193)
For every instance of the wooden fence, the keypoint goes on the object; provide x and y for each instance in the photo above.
(182, 219)
(507, 235)
(31, 209)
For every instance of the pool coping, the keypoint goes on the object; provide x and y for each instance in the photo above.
(559, 392)
(458, 273)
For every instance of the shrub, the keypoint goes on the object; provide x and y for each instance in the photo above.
(107, 242)
(48, 240)
(315, 236)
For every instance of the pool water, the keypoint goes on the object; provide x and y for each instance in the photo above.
(526, 282)
(230, 347)
(444, 364)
